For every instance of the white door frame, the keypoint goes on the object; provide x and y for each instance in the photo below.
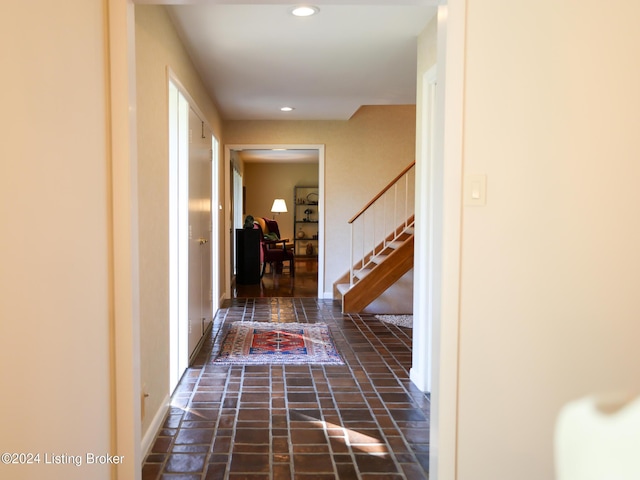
(179, 278)
(428, 245)
(321, 244)
(445, 281)
(178, 231)
(216, 207)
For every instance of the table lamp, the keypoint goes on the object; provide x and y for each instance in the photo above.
(279, 206)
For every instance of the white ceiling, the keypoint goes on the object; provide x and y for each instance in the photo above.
(255, 57)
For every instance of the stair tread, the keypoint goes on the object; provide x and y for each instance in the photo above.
(343, 288)
(378, 259)
(361, 273)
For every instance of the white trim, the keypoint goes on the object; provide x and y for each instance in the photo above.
(171, 76)
(443, 457)
(428, 229)
(321, 202)
(178, 188)
(215, 225)
(227, 225)
(321, 226)
(154, 426)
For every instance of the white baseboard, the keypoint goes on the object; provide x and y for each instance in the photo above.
(419, 380)
(327, 296)
(156, 423)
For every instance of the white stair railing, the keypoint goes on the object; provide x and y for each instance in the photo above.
(381, 221)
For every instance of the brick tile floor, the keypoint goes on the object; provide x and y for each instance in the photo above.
(361, 420)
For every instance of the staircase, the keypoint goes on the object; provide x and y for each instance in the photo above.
(382, 251)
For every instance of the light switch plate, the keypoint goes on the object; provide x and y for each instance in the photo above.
(475, 190)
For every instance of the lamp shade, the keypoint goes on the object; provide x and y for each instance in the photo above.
(279, 206)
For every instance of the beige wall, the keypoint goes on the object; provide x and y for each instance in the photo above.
(361, 156)
(158, 47)
(55, 247)
(551, 266)
(266, 181)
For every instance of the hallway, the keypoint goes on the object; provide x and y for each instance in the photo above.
(361, 420)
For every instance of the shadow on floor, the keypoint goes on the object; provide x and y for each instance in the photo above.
(362, 420)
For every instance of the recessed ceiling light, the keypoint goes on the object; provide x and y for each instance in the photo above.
(286, 109)
(304, 10)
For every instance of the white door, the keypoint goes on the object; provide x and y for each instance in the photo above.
(199, 229)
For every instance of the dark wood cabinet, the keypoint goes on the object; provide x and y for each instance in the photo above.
(247, 256)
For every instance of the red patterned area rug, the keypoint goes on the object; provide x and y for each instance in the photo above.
(262, 343)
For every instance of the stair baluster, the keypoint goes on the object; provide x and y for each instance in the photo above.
(370, 227)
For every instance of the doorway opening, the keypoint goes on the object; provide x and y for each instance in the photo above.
(178, 228)
(267, 173)
(128, 396)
